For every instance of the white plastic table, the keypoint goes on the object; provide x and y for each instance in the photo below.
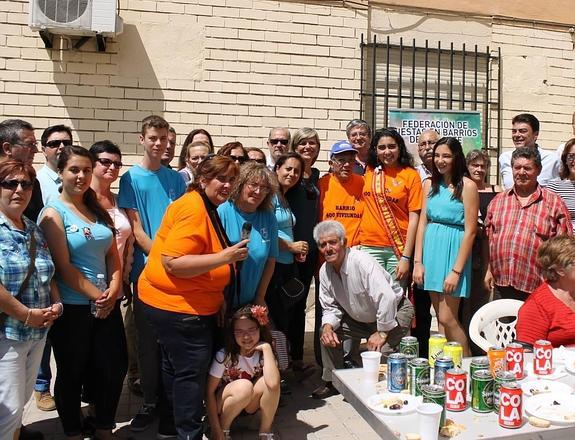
(478, 425)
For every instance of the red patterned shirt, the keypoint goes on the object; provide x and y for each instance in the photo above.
(515, 233)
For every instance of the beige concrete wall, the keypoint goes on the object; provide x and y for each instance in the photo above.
(239, 67)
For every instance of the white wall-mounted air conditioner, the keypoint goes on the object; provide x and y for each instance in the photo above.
(75, 17)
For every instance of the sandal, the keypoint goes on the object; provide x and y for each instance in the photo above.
(266, 436)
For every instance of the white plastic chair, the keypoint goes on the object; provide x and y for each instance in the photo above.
(486, 330)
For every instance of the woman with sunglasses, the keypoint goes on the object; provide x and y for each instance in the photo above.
(257, 155)
(304, 202)
(234, 150)
(29, 299)
(182, 288)
(88, 341)
(248, 213)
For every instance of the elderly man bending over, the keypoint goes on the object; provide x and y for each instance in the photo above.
(359, 300)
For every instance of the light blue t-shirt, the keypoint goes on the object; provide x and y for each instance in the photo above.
(286, 222)
(149, 193)
(263, 244)
(88, 244)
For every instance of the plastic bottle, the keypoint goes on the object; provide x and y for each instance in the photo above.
(101, 284)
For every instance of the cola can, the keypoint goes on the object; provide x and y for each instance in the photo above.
(501, 378)
(514, 356)
(542, 358)
(510, 405)
(456, 390)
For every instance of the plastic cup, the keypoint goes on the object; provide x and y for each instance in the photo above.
(370, 361)
(429, 417)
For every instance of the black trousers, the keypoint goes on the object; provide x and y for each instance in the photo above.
(422, 320)
(88, 347)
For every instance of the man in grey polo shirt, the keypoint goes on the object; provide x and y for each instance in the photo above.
(359, 299)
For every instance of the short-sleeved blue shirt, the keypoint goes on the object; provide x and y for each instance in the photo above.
(286, 222)
(148, 192)
(88, 244)
(263, 244)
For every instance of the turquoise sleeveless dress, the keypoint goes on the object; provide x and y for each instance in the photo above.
(441, 243)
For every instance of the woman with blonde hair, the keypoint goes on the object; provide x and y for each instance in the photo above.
(549, 312)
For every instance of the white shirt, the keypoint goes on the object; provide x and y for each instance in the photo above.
(550, 170)
(49, 183)
(363, 289)
(424, 173)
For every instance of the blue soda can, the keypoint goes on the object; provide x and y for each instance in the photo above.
(442, 364)
(396, 372)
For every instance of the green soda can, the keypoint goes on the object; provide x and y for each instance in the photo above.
(409, 346)
(500, 378)
(435, 394)
(482, 391)
(419, 372)
(477, 363)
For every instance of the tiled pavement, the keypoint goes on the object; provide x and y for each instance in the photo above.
(301, 417)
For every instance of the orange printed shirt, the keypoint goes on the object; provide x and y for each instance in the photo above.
(404, 195)
(342, 202)
(186, 229)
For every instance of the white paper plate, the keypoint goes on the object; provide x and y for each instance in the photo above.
(544, 386)
(377, 402)
(557, 408)
(570, 365)
(558, 372)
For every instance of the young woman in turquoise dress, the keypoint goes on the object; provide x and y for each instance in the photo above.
(447, 228)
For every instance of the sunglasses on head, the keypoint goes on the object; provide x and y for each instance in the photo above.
(12, 184)
(278, 141)
(262, 161)
(240, 159)
(57, 142)
(109, 162)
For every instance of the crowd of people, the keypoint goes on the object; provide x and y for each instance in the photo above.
(194, 282)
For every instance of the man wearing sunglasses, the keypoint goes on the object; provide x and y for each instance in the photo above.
(53, 140)
(278, 144)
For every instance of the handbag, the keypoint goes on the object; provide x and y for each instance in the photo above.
(291, 290)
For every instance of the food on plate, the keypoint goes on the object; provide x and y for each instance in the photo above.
(451, 429)
(535, 391)
(539, 423)
(555, 410)
(392, 403)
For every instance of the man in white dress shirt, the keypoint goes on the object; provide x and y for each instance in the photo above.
(524, 133)
(359, 299)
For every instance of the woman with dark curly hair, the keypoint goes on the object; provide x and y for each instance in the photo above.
(244, 376)
(392, 195)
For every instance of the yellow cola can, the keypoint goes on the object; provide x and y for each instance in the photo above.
(436, 343)
(455, 351)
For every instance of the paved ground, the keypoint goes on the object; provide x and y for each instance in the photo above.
(300, 417)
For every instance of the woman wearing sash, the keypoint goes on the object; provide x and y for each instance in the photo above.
(392, 196)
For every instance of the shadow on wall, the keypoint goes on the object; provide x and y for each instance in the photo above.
(105, 95)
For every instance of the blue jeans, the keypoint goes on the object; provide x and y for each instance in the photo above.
(186, 342)
(44, 372)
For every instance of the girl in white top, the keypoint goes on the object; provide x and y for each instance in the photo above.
(244, 376)
(195, 153)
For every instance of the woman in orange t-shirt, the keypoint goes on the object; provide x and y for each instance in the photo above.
(182, 287)
(392, 197)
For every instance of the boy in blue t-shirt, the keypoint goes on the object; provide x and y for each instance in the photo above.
(146, 190)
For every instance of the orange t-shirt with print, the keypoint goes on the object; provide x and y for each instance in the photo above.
(186, 229)
(404, 195)
(342, 202)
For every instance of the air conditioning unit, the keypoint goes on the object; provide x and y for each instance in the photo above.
(75, 17)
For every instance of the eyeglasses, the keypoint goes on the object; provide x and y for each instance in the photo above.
(30, 145)
(57, 142)
(109, 163)
(426, 143)
(343, 159)
(278, 141)
(12, 184)
(262, 161)
(247, 332)
(256, 186)
(239, 159)
(570, 157)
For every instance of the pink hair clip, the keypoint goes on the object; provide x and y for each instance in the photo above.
(260, 313)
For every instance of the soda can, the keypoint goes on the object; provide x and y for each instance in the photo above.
(510, 405)
(409, 358)
(496, 358)
(514, 355)
(482, 391)
(478, 363)
(455, 389)
(436, 343)
(455, 351)
(435, 394)
(418, 375)
(409, 346)
(442, 365)
(542, 358)
(502, 377)
(396, 372)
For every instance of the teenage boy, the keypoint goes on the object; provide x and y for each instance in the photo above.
(146, 190)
